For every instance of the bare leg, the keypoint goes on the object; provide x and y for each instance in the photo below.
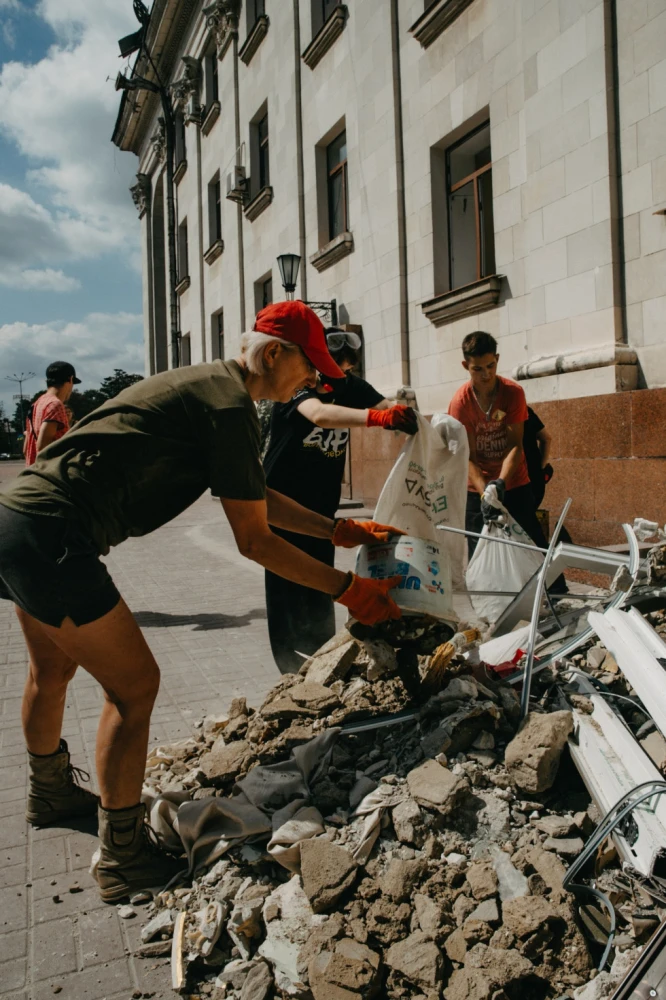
(114, 651)
(49, 673)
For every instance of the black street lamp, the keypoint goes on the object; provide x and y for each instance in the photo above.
(128, 45)
(289, 264)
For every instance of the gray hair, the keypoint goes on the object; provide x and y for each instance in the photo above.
(253, 346)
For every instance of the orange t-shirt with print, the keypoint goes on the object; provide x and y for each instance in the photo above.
(47, 407)
(508, 407)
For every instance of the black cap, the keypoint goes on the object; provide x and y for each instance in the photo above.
(59, 372)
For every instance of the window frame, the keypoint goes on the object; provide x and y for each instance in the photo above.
(450, 189)
(331, 174)
(266, 301)
(263, 153)
(255, 10)
(183, 251)
(215, 209)
(185, 350)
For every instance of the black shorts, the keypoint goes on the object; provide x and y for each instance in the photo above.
(52, 570)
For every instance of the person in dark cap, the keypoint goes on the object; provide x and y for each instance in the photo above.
(133, 464)
(48, 420)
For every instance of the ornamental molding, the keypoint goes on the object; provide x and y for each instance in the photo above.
(254, 39)
(158, 141)
(222, 21)
(189, 84)
(436, 18)
(214, 251)
(259, 203)
(141, 193)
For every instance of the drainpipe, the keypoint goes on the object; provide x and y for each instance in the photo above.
(152, 365)
(239, 206)
(202, 265)
(612, 74)
(300, 172)
(400, 194)
(170, 135)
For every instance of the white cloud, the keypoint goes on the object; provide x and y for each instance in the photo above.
(95, 346)
(46, 280)
(60, 113)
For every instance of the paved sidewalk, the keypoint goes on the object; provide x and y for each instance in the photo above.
(201, 606)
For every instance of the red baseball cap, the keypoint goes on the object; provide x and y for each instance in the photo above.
(296, 322)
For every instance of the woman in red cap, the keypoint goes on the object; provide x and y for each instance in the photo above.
(127, 468)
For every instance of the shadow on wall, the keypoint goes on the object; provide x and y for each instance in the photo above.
(202, 622)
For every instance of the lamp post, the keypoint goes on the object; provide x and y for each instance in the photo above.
(129, 44)
(289, 264)
(19, 380)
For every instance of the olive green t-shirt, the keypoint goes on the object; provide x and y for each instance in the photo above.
(142, 458)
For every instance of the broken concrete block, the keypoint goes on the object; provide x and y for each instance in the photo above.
(314, 696)
(435, 787)
(417, 958)
(351, 970)
(285, 708)
(162, 923)
(376, 658)
(400, 878)
(475, 931)
(488, 970)
(455, 946)
(556, 826)
(259, 983)
(482, 880)
(568, 847)
(408, 822)
(328, 871)
(488, 911)
(528, 914)
(224, 762)
(286, 933)
(533, 755)
(334, 665)
(234, 973)
(428, 913)
(462, 908)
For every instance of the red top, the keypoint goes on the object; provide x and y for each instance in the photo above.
(47, 407)
(508, 407)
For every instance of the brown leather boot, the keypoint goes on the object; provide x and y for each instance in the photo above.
(55, 793)
(130, 856)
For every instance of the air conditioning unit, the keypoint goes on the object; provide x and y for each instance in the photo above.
(193, 112)
(237, 185)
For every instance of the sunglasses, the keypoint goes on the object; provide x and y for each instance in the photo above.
(341, 338)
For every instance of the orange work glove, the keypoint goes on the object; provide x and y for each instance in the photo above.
(395, 418)
(368, 600)
(347, 533)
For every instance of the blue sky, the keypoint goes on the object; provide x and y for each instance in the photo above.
(70, 282)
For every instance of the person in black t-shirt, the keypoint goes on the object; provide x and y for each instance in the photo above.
(536, 445)
(305, 460)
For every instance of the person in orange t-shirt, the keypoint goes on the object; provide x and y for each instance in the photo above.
(493, 411)
(48, 420)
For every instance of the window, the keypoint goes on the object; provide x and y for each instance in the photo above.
(181, 149)
(262, 143)
(211, 78)
(214, 210)
(255, 10)
(321, 11)
(266, 292)
(185, 351)
(336, 168)
(217, 335)
(183, 262)
(469, 197)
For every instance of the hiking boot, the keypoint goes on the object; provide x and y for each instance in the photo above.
(130, 856)
(55, 793)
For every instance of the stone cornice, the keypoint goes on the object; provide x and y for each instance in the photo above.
(260, 202)
(222, 21)
(326, 35)
(436, 18)
(254, 39)
(465, 301)
(341, 246)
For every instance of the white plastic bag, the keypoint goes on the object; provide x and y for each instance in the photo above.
(500, 567)
(427, 486)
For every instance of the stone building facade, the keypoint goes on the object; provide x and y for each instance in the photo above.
(439, 168)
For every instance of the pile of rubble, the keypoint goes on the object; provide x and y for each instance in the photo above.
(410, 844)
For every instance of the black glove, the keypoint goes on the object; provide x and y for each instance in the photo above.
(547, 473)
(489, 511)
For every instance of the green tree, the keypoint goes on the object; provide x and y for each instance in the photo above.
(115, 383)
(20, 417)
(83, 403)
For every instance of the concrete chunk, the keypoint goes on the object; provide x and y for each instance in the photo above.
(328, 871)
(533, 755)
(334, 665)
(435, 787)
